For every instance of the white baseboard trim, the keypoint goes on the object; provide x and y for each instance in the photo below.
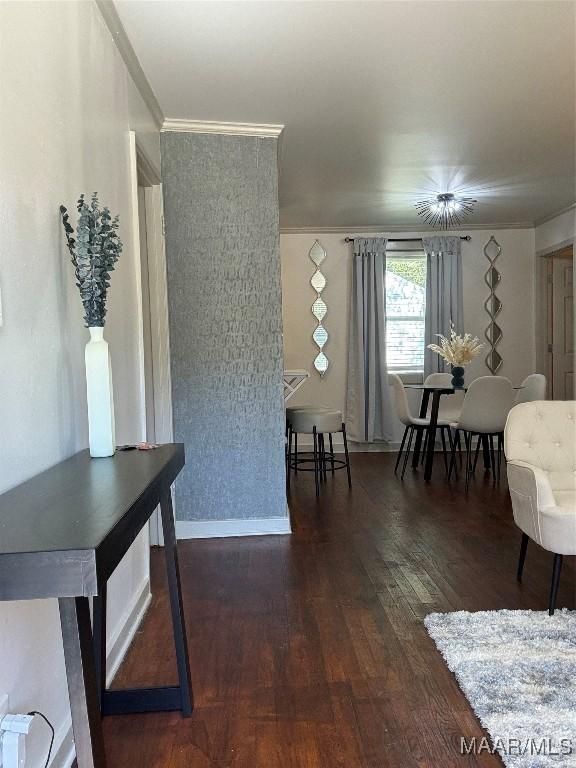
(215, 529)
(305, 442)
(64, 752)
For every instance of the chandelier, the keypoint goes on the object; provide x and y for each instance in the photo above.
(445, 210)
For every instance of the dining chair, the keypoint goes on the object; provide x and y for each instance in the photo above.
(413, 424)
(532, 388)
(484, 411)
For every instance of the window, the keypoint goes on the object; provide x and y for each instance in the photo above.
(405, 309)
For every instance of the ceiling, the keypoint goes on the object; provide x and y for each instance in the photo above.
(383, 102)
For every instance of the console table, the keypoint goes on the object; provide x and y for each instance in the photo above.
(62, 534)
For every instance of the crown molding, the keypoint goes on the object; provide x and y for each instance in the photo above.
(416, 230)
(116, 28)
(545, 219)
(262, 130)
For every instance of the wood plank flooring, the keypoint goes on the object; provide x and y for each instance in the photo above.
(308, 651)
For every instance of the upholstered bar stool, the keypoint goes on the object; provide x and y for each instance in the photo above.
(318, 423)
(289, 433)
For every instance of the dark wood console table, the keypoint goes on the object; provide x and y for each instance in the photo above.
(62, 534)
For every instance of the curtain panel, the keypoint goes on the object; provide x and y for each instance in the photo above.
(368, 403)
(444, 302)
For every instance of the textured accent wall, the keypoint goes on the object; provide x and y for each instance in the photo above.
(225, 302)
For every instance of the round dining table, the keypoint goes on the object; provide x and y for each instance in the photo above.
(429, 390)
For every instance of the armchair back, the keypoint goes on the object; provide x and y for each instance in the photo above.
(542, 434)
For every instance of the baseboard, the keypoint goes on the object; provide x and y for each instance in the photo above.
(215, 529)
(64, 752)
(305, 442)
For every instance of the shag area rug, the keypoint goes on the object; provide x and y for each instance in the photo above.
(518, 671)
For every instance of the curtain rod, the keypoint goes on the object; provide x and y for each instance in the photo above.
(400, 239)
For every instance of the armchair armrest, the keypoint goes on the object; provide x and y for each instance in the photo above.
(531, 493)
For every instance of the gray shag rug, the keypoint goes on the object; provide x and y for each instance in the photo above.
(518, 671)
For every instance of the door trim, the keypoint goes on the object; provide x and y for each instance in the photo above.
(142, 169)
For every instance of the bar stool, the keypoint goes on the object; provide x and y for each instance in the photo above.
(289, 411)
(318, 422)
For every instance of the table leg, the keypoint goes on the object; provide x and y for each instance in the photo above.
(422, 414)
(175, 589)
(432, 434)
(82, 685)
(99, 638)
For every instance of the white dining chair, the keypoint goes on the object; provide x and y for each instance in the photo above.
(413, 424)
(486, 406)
(532, 388)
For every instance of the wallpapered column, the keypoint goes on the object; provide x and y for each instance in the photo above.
(224, 292)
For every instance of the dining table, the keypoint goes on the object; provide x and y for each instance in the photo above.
(436, 392)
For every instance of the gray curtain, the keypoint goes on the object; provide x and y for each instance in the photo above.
(368, 404)
(444, 303)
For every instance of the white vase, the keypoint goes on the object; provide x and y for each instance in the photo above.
(100, 397)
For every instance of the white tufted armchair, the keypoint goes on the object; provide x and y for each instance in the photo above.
(540, 447)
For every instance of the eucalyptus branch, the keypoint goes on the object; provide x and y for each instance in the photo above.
(94, 253)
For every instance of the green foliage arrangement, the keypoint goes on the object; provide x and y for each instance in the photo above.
(94, 253)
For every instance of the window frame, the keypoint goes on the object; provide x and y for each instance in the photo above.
(407, 254)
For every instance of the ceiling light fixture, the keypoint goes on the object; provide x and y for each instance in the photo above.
(445, 210)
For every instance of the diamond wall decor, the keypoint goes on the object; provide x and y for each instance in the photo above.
(319, 308)
(493, 305)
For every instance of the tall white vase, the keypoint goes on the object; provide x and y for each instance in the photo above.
(100, 397)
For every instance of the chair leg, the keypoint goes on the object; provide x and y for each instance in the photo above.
(316, 470)
(555, 581)
(522, 558)
(289, 457)
(424, 448)
(453, 444)
(331, 452)
(443, 436)
(407, 454)
(459, 444)
(468, 441)
(322, 457)
(492, 461)
(500, 451)
(347, 455)
(295, 452)
(476, 454)
(401, 449)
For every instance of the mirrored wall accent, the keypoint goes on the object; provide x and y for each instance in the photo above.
(493, 305)
(319, 308)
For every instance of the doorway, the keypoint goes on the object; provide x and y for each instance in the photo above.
(155, 384)
(558, 305)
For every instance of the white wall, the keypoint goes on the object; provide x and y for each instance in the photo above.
(67, 105)
(515, 291)
(557, 232)
(550, 236)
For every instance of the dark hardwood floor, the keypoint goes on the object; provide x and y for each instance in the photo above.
(308, 651)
